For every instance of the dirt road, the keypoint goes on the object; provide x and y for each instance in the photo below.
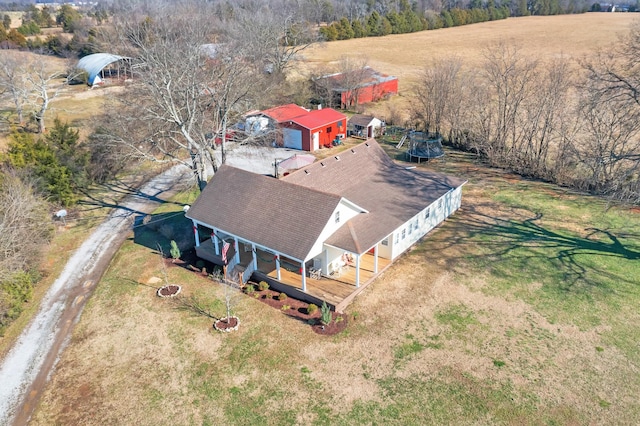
(26, 368)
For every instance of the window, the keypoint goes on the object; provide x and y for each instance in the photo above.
(397, 238)
(338, 217)
(385, 242)
(410, 227)
(440, 203)
(427, 213)
(403, 233)
(329, 129)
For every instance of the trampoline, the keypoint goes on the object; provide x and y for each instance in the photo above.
(423, 146)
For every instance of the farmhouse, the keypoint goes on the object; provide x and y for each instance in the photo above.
(298, 128)
(357, 87)
(364, 126)
(325, 231)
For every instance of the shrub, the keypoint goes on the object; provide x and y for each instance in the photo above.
(285, 307)
(263, 285)
(312, 309)
(175, 251)
(249, 289)
(269, 296)
(282, 296)
(325, 314)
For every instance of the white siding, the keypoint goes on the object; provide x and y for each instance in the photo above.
(416, 227)
(345, 210)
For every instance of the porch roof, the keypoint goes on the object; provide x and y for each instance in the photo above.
(279, 215)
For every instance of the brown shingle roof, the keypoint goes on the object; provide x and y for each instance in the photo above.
(367, 176)
(361, 120)
(279, 215)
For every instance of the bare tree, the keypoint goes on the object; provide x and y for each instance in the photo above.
(45, 88)
(273, 34)
(181, 97)
(608, 146)
(615, 72)
(437, 92)
(14, 82)
(24, 225)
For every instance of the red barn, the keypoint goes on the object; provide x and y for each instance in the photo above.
(357, 87)
(315, 129)
(300, 128)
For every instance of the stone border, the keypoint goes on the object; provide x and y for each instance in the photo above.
(159, 292)
(230, 329)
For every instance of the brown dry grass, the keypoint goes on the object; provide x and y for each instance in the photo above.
(405, 55)
(135, 358)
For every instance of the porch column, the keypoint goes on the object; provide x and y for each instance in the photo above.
(375, 259)
(215, 242)
(278, 267)
(357, 270)
(195, 233)
(254, 254)
(303, 269)
(237, 248)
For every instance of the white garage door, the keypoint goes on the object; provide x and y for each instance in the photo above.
(292, 138)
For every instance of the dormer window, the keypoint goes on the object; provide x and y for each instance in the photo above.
(338, 217)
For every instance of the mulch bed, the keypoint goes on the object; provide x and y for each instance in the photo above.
(298, 309)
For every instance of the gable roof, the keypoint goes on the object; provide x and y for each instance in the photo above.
(366, 176)
(318, 118)
(279, 215)
(361, 120)
(284, 112)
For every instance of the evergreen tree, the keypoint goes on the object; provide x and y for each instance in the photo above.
(345, 31)
(358, 29)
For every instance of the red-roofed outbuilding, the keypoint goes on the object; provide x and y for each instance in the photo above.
(300, 128)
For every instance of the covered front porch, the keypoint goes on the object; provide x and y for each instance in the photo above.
(338, 288)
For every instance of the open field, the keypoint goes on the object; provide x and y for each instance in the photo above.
(544, 37)
(520, 309)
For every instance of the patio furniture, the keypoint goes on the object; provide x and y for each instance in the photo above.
(314, 273)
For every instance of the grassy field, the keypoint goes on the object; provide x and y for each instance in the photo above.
(520, 309)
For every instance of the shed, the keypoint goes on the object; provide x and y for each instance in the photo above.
(298, 127)
(315, 129)
(364, 126)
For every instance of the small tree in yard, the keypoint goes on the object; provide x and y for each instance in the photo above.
(325, 311)
(175, 251)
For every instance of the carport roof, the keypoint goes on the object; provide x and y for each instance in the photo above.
(94, 63)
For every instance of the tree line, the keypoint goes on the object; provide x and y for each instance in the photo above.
(408, 21)
(577, 126)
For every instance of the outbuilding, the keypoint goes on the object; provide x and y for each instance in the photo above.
(299, 128)
(364, 126)
(357, 87)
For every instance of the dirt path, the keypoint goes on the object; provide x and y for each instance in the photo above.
(27, 366)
